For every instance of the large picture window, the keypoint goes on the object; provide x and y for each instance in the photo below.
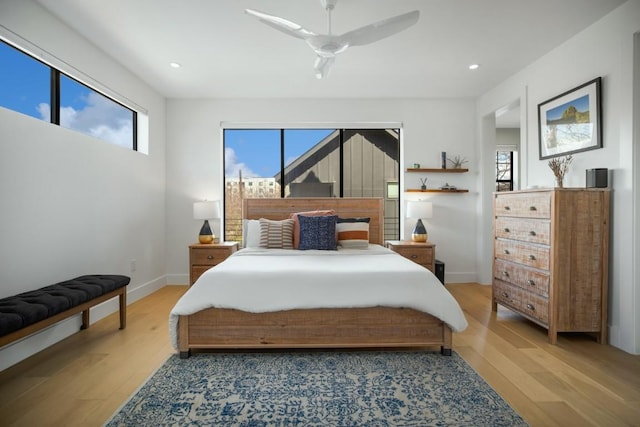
(33, 88)
(277, 163)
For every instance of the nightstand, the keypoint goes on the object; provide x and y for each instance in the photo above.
(423, 253)
(204, 256)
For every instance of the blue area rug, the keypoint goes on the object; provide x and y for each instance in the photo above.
(316, 389)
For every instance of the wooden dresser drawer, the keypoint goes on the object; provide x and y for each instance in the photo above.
(209, 256)
(521, 276)
(197, 270)
(523, 253)
(526, 205)
(528, 303)
(525, 229)
(422, 256)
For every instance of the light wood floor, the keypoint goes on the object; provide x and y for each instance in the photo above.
(85, 378)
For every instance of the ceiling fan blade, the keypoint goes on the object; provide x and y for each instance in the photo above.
(381, 29)
(281, 24)
(323, 66)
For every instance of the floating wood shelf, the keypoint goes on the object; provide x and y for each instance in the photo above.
(438, 170)
(435, 190)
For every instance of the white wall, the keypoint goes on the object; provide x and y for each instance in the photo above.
(194, 162)
(604, 49)
(72, 204)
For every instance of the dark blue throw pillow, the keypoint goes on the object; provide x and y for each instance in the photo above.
(318, 232)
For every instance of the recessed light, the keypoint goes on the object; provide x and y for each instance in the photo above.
(174, 65)
(474, 66)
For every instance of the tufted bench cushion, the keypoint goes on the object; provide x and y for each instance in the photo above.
(22, 310)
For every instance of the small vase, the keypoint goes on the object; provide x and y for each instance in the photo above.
(559, 182)
(423, 187)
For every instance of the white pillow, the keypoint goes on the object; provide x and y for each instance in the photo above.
(250, 233)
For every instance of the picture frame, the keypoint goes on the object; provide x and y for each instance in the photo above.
(572, 121)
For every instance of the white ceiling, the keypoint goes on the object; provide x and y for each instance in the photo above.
(227, 54)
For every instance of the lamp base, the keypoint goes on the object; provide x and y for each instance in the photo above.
(206, 235)
(419, 233)
(203, 238)
(420, 238)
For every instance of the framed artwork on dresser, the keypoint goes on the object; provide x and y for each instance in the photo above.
(571, 122)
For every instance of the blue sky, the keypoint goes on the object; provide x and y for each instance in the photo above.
(581, 104)
(257, 151)
(26, 88)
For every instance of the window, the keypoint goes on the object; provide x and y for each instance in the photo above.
(310, 163)
(38, 90)
(87, 111)
(504, 170)
(25, 83)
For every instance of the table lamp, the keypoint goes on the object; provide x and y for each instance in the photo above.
(419, 209)
(206, 210)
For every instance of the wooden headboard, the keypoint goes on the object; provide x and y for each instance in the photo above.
(359, 207)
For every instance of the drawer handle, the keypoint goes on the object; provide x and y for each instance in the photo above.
(531, 307)
(532, 233)
(506, 251)
(210, 257)
(414, 256)
(505, 295)
(531, 282)
(507, 208)
(532, 257)
(506, 230)
(505, 273)
(533, 208)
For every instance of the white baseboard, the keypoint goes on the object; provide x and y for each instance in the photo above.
(19, 350)
(460, 277)
(177, 279)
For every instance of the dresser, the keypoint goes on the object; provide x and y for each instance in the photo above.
(419, 252)
(550, 258)
(204, 256)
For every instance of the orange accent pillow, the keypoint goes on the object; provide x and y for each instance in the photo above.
(296, 222)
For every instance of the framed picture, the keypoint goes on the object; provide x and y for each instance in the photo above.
(571, 122)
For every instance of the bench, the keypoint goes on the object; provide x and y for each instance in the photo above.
(23, 314)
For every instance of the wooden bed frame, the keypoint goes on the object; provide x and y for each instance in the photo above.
(215, 328)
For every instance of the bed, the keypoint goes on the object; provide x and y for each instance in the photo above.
(283, 298)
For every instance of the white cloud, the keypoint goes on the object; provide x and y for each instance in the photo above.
(45, 111)
(232, 167)
(100, 118)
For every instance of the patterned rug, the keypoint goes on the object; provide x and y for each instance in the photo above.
(316, 389)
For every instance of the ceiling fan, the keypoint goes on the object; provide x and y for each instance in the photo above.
(327, 46)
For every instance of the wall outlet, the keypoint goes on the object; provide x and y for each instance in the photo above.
(133, 265)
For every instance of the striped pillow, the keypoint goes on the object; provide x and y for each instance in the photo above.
(276, 234)
(353, 233)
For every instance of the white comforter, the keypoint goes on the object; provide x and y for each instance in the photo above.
(262, 280)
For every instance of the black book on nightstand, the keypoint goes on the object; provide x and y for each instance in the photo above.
(440, 270)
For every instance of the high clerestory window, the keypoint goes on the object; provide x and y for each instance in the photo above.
(278, 163)
(36, 89)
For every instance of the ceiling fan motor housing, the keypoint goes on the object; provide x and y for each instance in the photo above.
(328, 4)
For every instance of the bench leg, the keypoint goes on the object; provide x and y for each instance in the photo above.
(123, 309)
(85, 319)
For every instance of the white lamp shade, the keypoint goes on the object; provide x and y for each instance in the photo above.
(206, 210)
(419, 209)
